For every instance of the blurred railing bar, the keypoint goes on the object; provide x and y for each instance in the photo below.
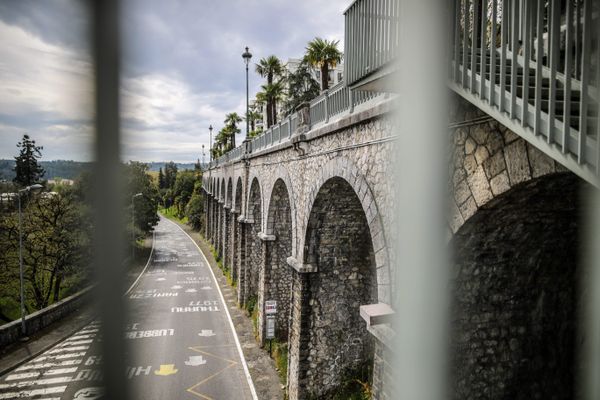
(109, 220)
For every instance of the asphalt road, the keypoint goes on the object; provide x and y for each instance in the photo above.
(181, 339)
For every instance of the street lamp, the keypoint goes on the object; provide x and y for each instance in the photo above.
(133, 225)
(36, 188)
(210, 128)
(247, 56)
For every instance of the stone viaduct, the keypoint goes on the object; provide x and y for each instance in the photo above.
(303, 214)
(307, 222)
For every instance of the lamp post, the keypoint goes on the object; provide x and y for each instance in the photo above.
(210, 128)
(247, 56)
(35, 189)
(133, 225)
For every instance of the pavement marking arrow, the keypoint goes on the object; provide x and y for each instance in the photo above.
(191, 290)
(166, 369)
(176, 287)
(205, 288)
(194, 361)
(207, 332)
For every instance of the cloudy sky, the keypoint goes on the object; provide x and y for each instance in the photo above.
(182, 69)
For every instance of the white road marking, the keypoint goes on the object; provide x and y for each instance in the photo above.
(207, 333)
(63, 349)
(160, 279)
(60, 371)
(40, 382)
(60, 356)
(145, 267)
(235, 337)
(27, 375)
(76, 342)
(30, 393)
(176, 287)
(49, 365)
(194, 361)
(191, 290)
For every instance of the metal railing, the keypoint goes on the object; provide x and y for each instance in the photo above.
(531, 65)
(333, 102)
(372, 37)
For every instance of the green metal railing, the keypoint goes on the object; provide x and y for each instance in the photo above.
(372, 37)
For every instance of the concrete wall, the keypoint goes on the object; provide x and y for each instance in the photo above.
(11, 332)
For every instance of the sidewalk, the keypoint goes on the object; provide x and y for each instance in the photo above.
(261, 366)
(18, 353)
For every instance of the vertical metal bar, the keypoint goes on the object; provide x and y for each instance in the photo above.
(568, 74)
(482, 67)
(109, 251)
(585, 77)
(474, 47)
(526, 56)
(456, 25)
(577, 38)
(539, 55)
(465, 41)
(514, 62)
(493, 34)
(553, 46)
(503, 44)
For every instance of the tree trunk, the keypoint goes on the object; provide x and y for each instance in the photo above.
(269, 114)
(274, 111)
(325, 76)
(57, 282)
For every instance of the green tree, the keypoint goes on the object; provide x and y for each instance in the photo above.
(272, 93)
(302, 87)
(161, 179)
(27, 169)
(146, 206)
(270, 68)
(183, 189)
(170, 174)
(323, 54)
(231, 121)
(194, 210)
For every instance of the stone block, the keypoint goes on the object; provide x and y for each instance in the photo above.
(462, 192)
(494, 165)
(510, 136)
(470, 164)
(468, 208)
(481, 154)
(456, 220)
(540, 163)
(480, 187)
(495, 142)
(470, 146)
(500, 184)
(480, 134)
(517, 162)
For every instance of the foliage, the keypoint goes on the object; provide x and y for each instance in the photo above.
(194, 210)
(270, 68)
(56, 251)
(27, 169)
(146, 206)
(302, 87)
(323, 54)
(225, 139)
(170, 175)
(280, 355)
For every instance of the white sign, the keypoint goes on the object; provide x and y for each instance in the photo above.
(270, 327)
(271, 307)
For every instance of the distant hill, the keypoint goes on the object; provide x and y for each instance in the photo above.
(67, 169)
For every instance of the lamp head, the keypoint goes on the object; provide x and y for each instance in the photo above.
(246, 56)
(210, 128)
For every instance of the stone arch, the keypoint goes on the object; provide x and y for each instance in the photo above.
(239, 193)
(515, 294)
(338, 246)
(253, 253)
(488, 159)
(343, 167)
(222, 190)
(229, 193)
(282, 174)
(276, 276)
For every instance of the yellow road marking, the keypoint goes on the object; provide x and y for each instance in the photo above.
(231, 363)
(166, 369)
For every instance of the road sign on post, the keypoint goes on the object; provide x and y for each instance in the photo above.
(270, 327)
(271, 307)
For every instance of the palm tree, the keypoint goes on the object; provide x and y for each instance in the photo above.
(270, 68)
(322, 53)
(272, 93)
(253, 116)
(231, 121)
